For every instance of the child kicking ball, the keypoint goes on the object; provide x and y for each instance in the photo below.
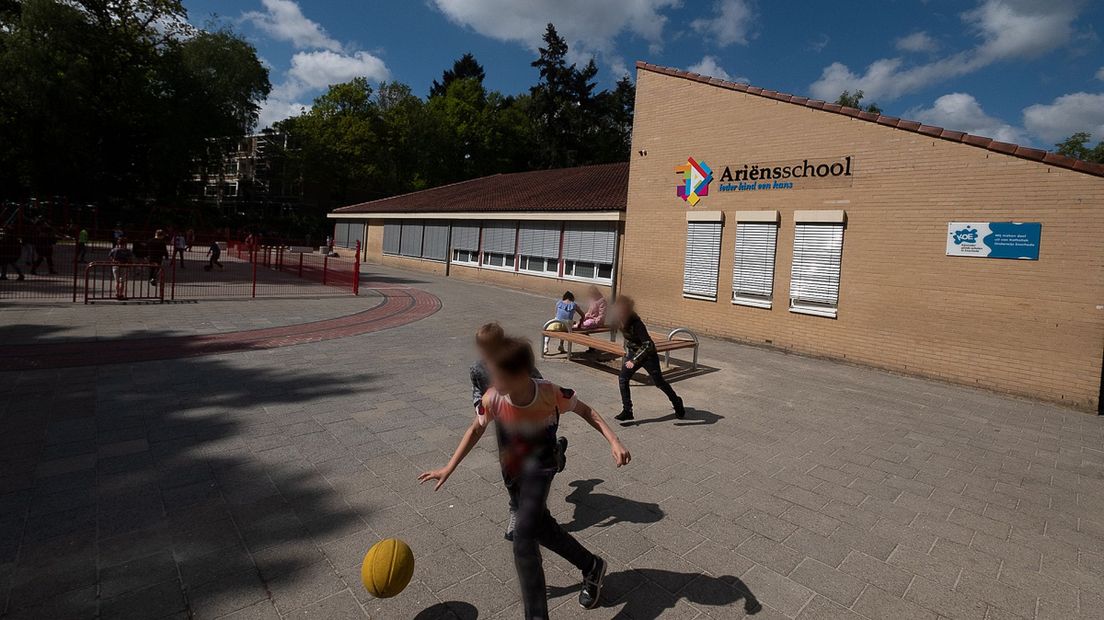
(526, 413)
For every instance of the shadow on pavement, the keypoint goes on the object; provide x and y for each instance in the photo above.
(650, 593)
(694, 417)
(451, 610)
(603, 510)
(194, 486)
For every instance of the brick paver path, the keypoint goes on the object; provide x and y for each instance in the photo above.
(250, 484)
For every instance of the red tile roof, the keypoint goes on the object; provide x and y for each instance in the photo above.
(1023, 152)
(602, 187)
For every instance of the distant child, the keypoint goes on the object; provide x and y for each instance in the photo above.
(180, 244)
(566, 309)
(596, 312)
(120, 257)
(82, 245)
(488, 339)
(214, 252)
(526, 413)
(640, 352)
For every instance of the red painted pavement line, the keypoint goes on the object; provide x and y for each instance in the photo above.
(400, 307)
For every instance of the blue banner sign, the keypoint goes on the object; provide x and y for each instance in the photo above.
(994, 239)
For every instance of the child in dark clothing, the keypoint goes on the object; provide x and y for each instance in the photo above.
(487, 341)
(640, 352)
(214, 252)
(526, 413)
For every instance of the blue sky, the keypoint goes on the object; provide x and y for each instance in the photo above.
(1026, 71)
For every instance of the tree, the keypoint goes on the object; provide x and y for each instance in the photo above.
(465, 67)
(1077, 147)
(564, 104)
(112, 101)
(854, 100)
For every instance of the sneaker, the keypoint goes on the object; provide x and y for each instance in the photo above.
(561, 454)
(680, 411)
(509, 535)
(561, 348)
(625, 415)
(592, 584)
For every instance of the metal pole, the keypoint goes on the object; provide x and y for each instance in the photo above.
(300, 264)
(356, 271)
(253, 258)
(75, 252)
(325, 267)
(172, 286)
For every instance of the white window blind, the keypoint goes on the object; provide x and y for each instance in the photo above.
(592, 242)
(499, 237)
(815, 276)
(465, 237)
(392, 230)
(341, 234)
(703, 257)
(753, 266)
(539, 239)
(356, 233)
(411, 243)
(435, 240)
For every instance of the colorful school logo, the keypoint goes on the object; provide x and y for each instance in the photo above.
(966, 235)
(696, 176)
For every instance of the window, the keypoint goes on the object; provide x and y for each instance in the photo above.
(539, 264)
(703, 257)
(392, 231)
(499, 244)
(815, 276)
(588, 271)
(410, 244)
(341, 234)
(465, 256)
(753, 266)
(539, 246)
(465, 243)
(589, 249)
(356, 235)
(493, 259)
(435, 241)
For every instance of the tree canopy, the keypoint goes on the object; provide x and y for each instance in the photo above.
(113, 101)
(854, 100)
(1077, 146)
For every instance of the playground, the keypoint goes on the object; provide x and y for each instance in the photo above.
(235, 458)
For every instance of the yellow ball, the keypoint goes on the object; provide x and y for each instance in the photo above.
(387, 568)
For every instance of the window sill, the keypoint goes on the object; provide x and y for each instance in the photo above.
(814, 311)
(699, 297)
(753, 302)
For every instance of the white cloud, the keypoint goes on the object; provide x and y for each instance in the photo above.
(709, 65)
(1100, 73)
(588, 26)
(1067, 115)
(1008, 29)
(314, 71)
(962, 112)
(818, 44)
(283, 20)
(917, 42)
(731, 23)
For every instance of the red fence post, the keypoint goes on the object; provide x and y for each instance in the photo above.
(172, 286)
(325, 267)
(300, 264)
(356, 271)
(75, 253)
(86, 270)
(253, 259)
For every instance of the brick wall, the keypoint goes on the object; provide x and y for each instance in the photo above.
(1026, 327)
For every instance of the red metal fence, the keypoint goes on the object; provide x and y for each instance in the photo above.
(239, 271)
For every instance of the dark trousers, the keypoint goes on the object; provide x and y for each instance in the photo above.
(82, 250)
(178, 253)
(537, 528)
(650, 364)
(44, 254)
(14, 264)
(155, 268)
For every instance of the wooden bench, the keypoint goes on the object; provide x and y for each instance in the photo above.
(680, 338)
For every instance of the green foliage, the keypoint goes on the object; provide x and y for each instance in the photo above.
(113, 101)
(1077, 147)
(854, 100)
(357, 144)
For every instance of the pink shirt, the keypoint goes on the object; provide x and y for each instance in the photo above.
(596, 311)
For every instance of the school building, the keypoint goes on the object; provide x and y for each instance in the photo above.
(780, 221)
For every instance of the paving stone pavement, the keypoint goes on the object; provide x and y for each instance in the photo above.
(249, 485)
